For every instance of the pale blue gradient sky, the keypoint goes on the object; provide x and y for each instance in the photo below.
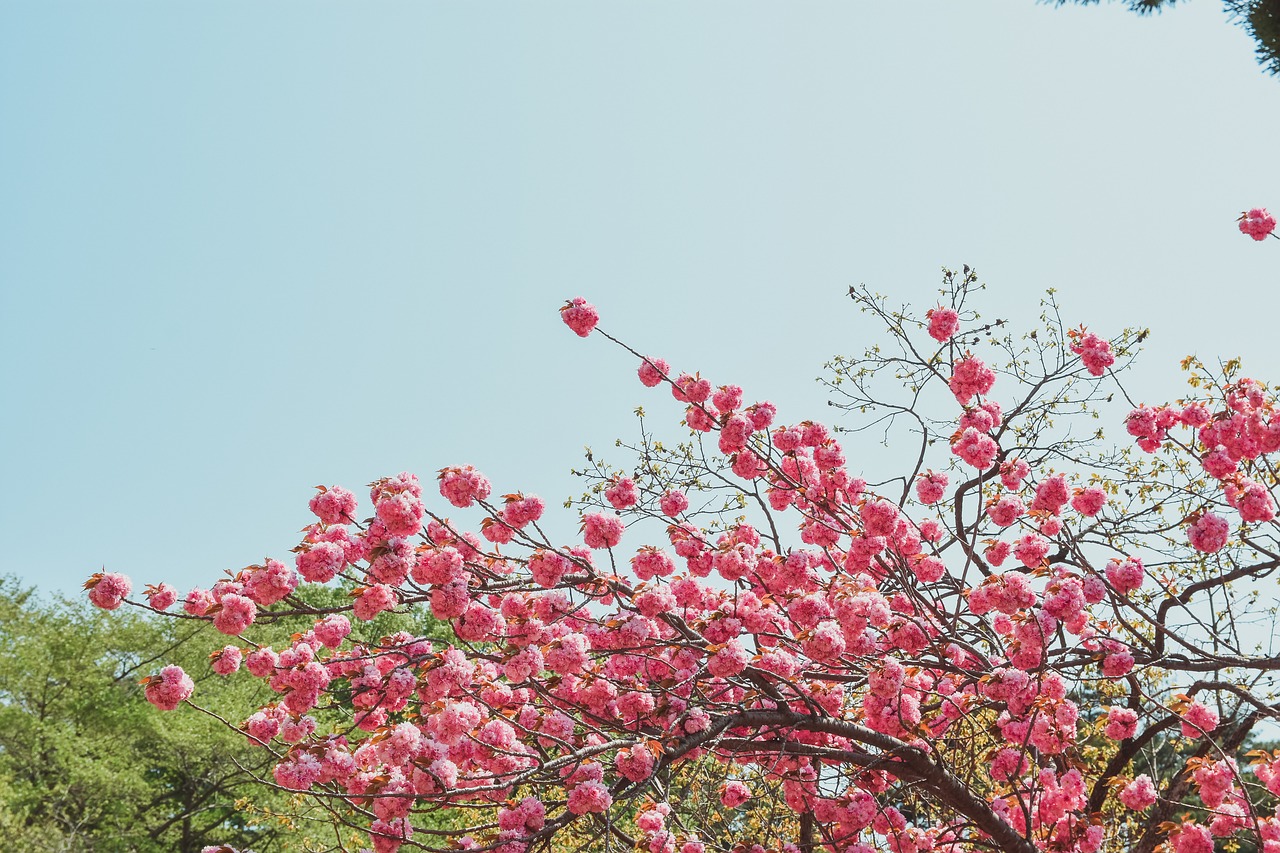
(246, 248)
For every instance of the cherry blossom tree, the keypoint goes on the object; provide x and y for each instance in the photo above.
(1024, 636)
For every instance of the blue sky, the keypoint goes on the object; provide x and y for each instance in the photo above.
(247, 248)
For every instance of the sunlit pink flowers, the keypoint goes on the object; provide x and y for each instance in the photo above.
(931, 486)
(1125, 576)
(734, 794)
(1257, 223)
(580, 315)
(108, 589)
(602, 530)
(971, 377)
(1208, 533)
(1094, 352)
(169, 689)
(1139, 794)
(821, 609)
(1198, 719)
(589, 797)
(652, 371)
(334, 505)
(943, 323)
(463, 485)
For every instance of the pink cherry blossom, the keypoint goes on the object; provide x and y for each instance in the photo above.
(1051, 494)
(107, 590)
(1197, 719)
(332, 629)
(580, 315)
(161, 596)
(1089, 502)
(1013, 472)
(1253, 501)
(270, 582)
(623, 493)
(1125, 576)
(730, 660)
(1139, 794)
(1257, 223)
(373, 600)
(1031, 550)
(589, 797)
(652, 371)
(971, 377)
(1122, 723)
(170, 688)
(1209, 533)
(227, 660)
(463, 486)
(930, 487)
(1192, 838)
(976, 448)
(602, 530)
(1094, 352)
(943, 323)
(334, 505)
(235, 614)
(673, 502)
(1007, 510)
(734, 794)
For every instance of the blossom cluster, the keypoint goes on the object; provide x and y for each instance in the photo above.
(1230, 442)
(1257, 223)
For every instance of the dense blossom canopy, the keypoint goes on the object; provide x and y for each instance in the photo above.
(987, 651)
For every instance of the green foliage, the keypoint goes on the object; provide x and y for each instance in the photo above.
(87, 765)
(1259, 18)
(1142, 7)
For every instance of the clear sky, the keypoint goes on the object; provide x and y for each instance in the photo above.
(247, 247)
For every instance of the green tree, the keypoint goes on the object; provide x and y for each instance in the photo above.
(87, 765)
(1259, 18)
